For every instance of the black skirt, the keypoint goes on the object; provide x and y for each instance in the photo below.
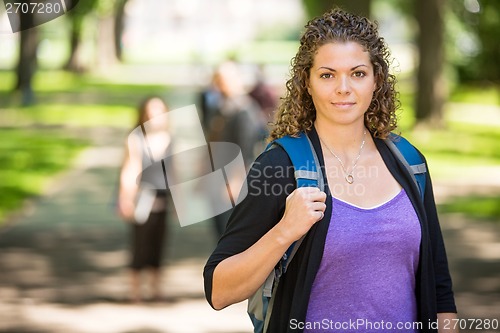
(147, 241)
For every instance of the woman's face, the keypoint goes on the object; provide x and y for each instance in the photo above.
(155, 107)
(341, 83)
(156, 116)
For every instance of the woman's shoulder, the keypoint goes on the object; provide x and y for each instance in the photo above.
(273, 163)
(273, 156)
(398, 140)
(403, 143)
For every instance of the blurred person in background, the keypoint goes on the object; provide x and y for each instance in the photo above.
(265, 95)
(210, 99)
(142, 198)
(232, 116)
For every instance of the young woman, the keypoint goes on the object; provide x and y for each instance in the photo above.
(139, 203)
(373, 254)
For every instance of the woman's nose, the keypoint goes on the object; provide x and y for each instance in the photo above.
(343, 86)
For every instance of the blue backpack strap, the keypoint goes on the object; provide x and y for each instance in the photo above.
(304, 159)
(307, 173)
(411, 159)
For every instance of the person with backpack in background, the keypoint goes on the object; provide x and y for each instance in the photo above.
(371, 255)
(233, 117)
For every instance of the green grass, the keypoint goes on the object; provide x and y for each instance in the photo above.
(62, 81)
(29, 158)
(455, 151)
(460, 140)
(76, 115)
(7, 80)
(64, 98)
(487, 94)
(58, 81)
(476, 207)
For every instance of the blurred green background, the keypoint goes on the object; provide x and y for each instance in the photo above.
(91, 67)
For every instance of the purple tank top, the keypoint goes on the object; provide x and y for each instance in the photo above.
(366, 279)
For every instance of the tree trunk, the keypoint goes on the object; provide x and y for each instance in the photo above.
(105, 43)
(77, 17)
(431, 85)
(318, 7)
(74, 62)
(118, 28)
(27, 63)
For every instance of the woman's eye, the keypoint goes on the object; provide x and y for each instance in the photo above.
(359, 74)
(326, 76)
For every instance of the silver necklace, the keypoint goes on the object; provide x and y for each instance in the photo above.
(349, 178)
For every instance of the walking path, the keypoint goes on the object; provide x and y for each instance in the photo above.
(62, 262)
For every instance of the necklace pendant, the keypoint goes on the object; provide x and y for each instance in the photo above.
(349, 179)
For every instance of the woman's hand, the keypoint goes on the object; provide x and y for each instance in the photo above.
(126, 209)
(304, 207)
(446, 323)
(238, 277)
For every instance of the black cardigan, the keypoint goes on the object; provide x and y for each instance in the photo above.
(269, 181)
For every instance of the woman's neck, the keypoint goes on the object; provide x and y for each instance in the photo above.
(343, 139)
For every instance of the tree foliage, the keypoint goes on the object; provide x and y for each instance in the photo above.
(318, 7)
(482, 49)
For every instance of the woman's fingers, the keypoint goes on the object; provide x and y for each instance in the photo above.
(309, 193)
(304, 207)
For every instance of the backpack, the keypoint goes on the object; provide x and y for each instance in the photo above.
(408, 155)
(308, 173)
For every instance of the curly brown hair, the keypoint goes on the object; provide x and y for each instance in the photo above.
(296, 112)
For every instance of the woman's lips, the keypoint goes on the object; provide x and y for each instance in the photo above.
(343, 104)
